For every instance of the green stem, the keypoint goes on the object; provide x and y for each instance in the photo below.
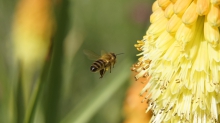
(35, 97)
(53, 90)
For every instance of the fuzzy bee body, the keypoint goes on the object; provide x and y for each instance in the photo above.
(103, 63)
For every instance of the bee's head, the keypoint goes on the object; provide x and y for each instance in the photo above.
(113, 55)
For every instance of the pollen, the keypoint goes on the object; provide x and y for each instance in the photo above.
(180, 57)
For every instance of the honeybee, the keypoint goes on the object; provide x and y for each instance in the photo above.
(102, 63)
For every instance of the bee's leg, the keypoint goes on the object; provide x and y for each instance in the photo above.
(113, 64)
(102, 72)
(110, 68)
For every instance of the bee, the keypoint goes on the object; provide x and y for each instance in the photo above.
(102, 63)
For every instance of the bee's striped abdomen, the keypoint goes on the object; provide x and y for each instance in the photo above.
(97, 65)
(104, 63)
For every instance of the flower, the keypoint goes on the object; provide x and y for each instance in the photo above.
(181, 56)
(32, 30)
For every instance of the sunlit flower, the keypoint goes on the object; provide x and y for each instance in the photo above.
(181, 56)
(32, 30)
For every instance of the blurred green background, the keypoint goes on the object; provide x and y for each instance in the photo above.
(97, 25)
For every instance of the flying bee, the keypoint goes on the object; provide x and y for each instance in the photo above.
(102, 63)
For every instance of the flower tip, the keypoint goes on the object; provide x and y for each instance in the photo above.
(140, 94)
(133, 68)
(135, 78)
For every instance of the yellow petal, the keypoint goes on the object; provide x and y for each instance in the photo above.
(155, 6)
(163, 3)
(185, 33)
(169, 11)
(215, 71)
(217, 2)
(173, 24)
(201, 61)
(213, 16)
(156, 15)
(211, 34)
(190, 16)
(157, 27)
(173, 1)
(192, 51)
(172, 53)
(209, 86)
(214, 54)
(202, 7)
(180, 6)
(214, 108)
(164, 41)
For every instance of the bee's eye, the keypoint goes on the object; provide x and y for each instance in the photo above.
(93, 69)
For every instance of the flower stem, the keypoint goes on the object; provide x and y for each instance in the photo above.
(35, 97)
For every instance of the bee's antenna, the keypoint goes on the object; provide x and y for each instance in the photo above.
(119, 54)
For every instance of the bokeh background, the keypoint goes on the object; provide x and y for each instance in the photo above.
(69, 92)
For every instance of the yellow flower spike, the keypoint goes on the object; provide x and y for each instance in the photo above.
(173, 24)
(169, 11)
(163, 3)
(214, 16)
(32, 30)
(31, 34)
(157, 15)
(190, 16)
(180, 6)
(184, 67)
(211, 34)
(202, 7)
(155, 6)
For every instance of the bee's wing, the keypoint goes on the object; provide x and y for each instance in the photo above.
(91, 55)
(103, 52)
